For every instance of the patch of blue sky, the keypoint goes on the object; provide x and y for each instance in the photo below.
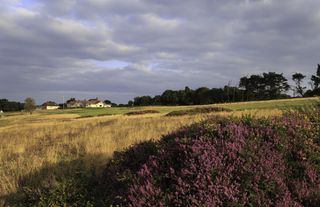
(112, 64)
(27, 3)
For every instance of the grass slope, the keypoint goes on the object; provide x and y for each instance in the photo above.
(270, 104)
(38, 147)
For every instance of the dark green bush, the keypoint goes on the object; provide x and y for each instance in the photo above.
(142, 112)
(199, 110)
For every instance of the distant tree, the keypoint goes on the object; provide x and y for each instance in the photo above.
(266, 86)
(188, 96)
(71, 100)
(143, 101)
(169, 97)
(6, 105)
(202, 96)
(107, 102)
(29, 105)
(274, 84)
(62, 105)
(253, 87)
(217, 95)
(230, 93)
(256, 87)
(130, 103)
(316, 79)
(244, 85)
(156, 100)
(308, 93)
(298, 78)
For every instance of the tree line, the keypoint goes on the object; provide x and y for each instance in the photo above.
(29, 105)
(6, 105)
(265, 86)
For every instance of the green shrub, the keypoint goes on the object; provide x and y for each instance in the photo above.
(199, 110)
(142, 112)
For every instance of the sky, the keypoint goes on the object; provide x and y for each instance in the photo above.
(120, 49)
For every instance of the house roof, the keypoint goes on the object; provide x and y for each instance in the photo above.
(85, 102)
(50, 103)
(74, 102)
(94, 101)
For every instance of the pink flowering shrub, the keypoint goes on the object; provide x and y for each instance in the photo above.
(224, 162)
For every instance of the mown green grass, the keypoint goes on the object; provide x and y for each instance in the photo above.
(283, 104)
(273, 104)
(91, 112)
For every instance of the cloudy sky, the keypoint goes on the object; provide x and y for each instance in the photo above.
(119, 49)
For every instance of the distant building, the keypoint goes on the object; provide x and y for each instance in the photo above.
(50, 105)
(91, 103)
(96, 103)
(73, 103)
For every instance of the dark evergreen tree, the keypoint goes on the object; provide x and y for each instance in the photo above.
(298, 78)
(202, 96)
(6, 105)
(316, 79)
(107, 102)
(274, 85)
(130, 103)
(143, 101)
(266, 86)
(169, 97)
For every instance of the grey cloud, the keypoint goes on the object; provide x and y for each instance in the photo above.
(48, 49)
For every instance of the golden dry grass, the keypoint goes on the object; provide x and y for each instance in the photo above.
(29, 143)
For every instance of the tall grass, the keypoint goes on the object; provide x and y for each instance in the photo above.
(29, 144)
(29, 148)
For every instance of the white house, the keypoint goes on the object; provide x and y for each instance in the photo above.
(50, 105)
(96, 103)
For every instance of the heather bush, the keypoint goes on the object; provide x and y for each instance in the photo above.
(199, 110)
(219, 162)
(223, 162)
(119, 173)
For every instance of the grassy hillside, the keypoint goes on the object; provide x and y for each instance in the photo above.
(222, 162)
(45, 147)
(271, 104)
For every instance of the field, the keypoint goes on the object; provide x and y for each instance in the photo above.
(38, 149)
